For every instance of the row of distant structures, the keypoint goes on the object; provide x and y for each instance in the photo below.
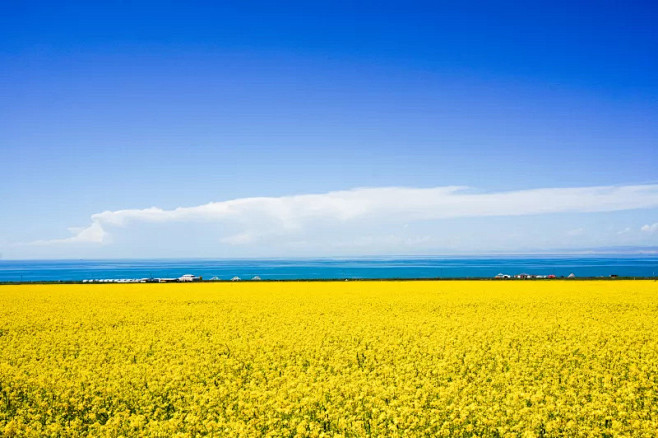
(528, 276)
(187, 278)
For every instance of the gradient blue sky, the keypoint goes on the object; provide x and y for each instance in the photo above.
(108, 106)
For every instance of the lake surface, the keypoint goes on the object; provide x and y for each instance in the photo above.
(277, 269)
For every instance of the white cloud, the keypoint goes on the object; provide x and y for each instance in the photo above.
(240, 239)
(575, 232)
(624, 231)
(650, 228)
(94, 233)
(251, 219)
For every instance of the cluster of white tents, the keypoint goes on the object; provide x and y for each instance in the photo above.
(529, 276)
(236, 278)
(117, 280)
(182, 279)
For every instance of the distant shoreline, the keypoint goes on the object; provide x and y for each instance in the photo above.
(335, 280)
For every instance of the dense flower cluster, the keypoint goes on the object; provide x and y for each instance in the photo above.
(479, 358)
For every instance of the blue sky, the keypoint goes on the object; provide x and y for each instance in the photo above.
(111, 106)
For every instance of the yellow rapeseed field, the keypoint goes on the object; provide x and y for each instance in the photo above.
(458, 358)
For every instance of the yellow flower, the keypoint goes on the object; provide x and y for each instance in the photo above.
(329, 359)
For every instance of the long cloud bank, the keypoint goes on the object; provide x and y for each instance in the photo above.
(286, 214)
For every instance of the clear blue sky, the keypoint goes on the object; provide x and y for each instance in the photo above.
(128, 105)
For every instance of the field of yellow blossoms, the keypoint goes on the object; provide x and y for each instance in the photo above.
(444, 358)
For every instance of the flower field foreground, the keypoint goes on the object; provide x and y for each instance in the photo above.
(443, 358)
